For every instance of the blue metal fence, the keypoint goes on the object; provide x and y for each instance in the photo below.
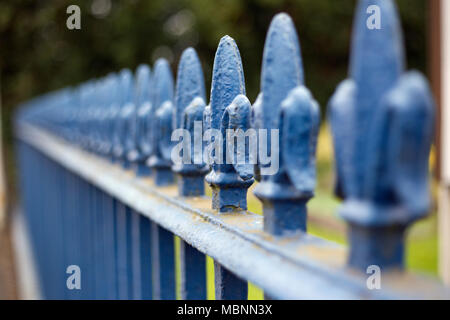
(100, 190)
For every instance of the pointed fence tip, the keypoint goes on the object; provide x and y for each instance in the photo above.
(161, 63)
(189, 51)
(228, 78)
(189, 62)
(190, 83)
(163, 82)
(281, 20)
(226, 39)
(282, 68)
(142, 70)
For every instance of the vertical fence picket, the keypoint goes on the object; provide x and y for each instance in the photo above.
(121, 250)
(189, 108)
(143, 149)
(228, 182)
(193, 273)
(130, 251)
(60, 237)
(110, 246)
(112, 97)
(135, 256)
(100, 281)
(145, 258)
(227, 285)
(163, 243)
(163, 264)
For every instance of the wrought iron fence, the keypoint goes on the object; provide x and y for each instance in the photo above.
(101, 191)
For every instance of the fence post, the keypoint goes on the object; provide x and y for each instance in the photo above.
(286, 107)
(382, 122)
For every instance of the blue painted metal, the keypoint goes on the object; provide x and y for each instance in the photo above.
(163, 263)
(130, 252)
(112, 115)
(138, 228)
(120, 229)
(299, 267)
(145, 259)
(125, 109)
(144, 119)
(228, 182)
(160, 159)
(229, 109)
(75, 255)
(193, 273)
(382, 121)
(110, 206)
(227, 285)
(286, 105)
(98, 217)
(136, 117)
(189, 108)
(121, 251)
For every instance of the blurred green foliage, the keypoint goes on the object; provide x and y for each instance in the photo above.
(38, 53)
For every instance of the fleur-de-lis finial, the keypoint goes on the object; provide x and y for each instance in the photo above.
(286, 106)
(125, 87)
(161, 131)
(228, 181)
(101, 119)
(382, 123)
(144, 119)
(189, 108)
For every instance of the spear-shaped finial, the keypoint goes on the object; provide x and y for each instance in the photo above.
(228, 182)
(288, 111)
(160, 160)
(382, 123)
(188, 115)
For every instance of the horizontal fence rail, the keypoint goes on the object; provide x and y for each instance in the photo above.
(104, 190)
(300, 266)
